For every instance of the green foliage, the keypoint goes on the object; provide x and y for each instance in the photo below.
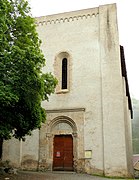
(22, 84)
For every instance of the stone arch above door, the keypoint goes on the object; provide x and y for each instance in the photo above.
(62, 125)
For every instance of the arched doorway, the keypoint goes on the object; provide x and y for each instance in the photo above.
(63, 131)
(63, 122)
(63, 153)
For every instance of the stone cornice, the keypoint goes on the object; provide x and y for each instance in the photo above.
(65, 110)
(67, 17)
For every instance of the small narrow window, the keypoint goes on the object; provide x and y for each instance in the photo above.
(64, 73)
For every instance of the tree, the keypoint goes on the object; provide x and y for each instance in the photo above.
(23, 85)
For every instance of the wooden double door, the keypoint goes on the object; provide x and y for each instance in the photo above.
(63, 153)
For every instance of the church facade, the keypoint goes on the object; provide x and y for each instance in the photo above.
(88, 126)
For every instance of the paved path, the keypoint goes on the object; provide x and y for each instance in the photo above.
(58, 176)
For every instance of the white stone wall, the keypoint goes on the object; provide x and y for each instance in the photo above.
(30, 151)
(112, 95)
(80, 38)
(12, 152)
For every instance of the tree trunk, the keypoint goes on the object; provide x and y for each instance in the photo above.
(1, 144)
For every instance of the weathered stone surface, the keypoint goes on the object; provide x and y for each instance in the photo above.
(136, 165)
(2, 171)
(29, 164)
(8, 170)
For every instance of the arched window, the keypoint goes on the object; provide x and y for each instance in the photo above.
(64, 73)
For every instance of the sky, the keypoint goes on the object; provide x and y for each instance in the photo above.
(127, 13)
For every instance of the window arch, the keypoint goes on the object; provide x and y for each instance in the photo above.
(62, 70)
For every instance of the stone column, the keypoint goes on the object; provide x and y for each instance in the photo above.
(42, 148)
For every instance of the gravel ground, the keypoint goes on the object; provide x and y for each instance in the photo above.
(25, 175)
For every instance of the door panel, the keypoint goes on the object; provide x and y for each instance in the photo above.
(68, 153)
(63, 153)
(58, 153)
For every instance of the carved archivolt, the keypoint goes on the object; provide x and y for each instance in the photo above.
(62, 119)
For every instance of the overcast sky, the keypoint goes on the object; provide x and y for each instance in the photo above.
(128, 20)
